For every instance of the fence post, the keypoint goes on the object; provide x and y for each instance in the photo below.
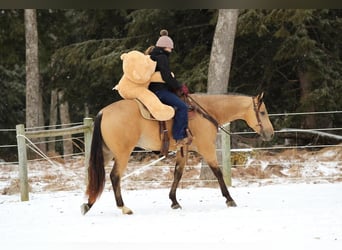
(22, 157)
(88, 133)
(226, 163)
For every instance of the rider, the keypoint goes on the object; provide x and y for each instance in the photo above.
(166, 91)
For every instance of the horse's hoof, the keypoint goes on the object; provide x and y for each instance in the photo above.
(176, 206)
(231, 203)
(126, 210)
(84, 208)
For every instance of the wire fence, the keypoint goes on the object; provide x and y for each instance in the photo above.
(79, 140)
(299, 158)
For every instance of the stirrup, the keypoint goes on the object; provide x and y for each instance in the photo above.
(189, 136)
(185, 141)
(182, 142)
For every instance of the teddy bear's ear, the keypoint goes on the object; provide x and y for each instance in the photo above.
(123, 56)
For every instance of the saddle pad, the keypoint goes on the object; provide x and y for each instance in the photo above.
(144, 111)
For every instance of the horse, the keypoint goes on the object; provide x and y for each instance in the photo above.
(120, 127)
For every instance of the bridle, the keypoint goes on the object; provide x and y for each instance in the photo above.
(256, 106)
(198, 108)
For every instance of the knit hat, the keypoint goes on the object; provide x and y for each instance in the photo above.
(164, 40)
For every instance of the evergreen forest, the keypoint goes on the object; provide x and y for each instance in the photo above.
(293, 55)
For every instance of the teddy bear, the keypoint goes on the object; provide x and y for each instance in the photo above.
(139, 71)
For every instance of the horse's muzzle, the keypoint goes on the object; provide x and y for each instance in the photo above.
(267, 135)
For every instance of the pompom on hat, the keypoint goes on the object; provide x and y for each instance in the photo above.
(164, 40)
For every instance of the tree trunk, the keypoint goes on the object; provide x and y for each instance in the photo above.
(86, 110)
(222, 51)
(219, 65)
(34, 114)
(53, 119)
(305, 87)
(65, 119)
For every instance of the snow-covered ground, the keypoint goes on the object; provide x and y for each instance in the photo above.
(292, 216)
(291, 200)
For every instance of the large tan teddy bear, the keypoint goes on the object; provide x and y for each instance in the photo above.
(139, 71)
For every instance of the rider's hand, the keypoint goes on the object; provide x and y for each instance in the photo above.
(185, 90)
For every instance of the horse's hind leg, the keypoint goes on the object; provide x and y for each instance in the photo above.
(179, 169)
(115, 177)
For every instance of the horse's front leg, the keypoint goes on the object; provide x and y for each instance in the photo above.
(179, 169)
(218, 173)
(115, 177)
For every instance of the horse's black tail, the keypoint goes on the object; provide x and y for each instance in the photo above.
(96, 171)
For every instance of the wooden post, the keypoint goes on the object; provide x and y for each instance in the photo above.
(226, 163)
(88, 133)
(86, 128)
(22, 157)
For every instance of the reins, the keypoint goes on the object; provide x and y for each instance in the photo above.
(207, 116)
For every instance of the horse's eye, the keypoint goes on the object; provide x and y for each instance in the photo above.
(262, 112)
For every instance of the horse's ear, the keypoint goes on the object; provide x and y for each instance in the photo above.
(260, 96)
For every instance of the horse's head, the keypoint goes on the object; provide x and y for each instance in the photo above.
(257, 118)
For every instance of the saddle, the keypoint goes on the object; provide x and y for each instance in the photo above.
(164, 136)
(145, 113)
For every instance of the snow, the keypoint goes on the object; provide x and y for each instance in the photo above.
(291, 216)
(290, 200)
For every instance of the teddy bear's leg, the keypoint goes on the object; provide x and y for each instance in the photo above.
(158, 110)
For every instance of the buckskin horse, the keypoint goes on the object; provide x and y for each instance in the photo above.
(119, 127)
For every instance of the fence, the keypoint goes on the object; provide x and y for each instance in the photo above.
(23, 136)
